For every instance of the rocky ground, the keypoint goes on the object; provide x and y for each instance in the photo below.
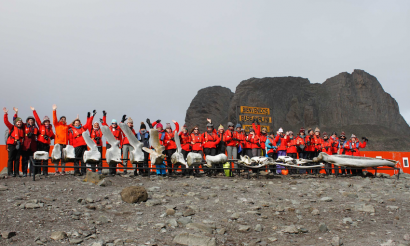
(300, 210)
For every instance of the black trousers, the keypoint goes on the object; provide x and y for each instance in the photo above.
(274, 156)
(26, 154)
(294, 156)
(302, 155)
(112, 170)
(43, 147)
(99, 164)
(13, 163)
(169, 153)
(196, 167)
(315, 170)
(211, 152)
(79, 153)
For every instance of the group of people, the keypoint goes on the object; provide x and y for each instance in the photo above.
(23, 139)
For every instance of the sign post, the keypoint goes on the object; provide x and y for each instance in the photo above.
(246, 115)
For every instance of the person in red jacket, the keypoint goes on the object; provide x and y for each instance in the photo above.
(281, 141)
(96, 135)
(210, 139)
(170, 145)
(231, 140)
(196, 143)
(253, 138)
(79, 144)
(61, 136)
(126, 146)
(327, 145)
(14, 143)
(352, 147)
(161, 132)
(292, 150)
(310, 146)
(271, 148)
(118, 135)
(247, 145)
(185, 139)
(44, 137)
(263, 135)
(316, 141)
(302, 147)
(240, 136)
(221, 148)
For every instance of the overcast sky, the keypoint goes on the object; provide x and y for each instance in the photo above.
(149, 58)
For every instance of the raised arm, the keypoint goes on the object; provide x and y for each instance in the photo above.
(6, 119)
(176, 125)
(38, 121)
(55, 121)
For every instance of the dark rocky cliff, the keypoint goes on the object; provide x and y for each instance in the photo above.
(354, 103)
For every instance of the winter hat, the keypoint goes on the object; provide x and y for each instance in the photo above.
(343, 134)
(242, 129)
(63, 117)
(221, 127)
(168, 126)
(114, 121)
(159, 125)
(325, 134)
(309, 130)
(46, 119)
(210, 125)
(264, 128)
(30, 118)
(230, 124)
(143, 126)
(185, 127)
(290, 133)
(96, 122)
(17, 119)
(317, 129)
(130, 120)
(302, 130)
(334, 133)
(353, 136)
(280, 129)
(238, 125)
(251, 130)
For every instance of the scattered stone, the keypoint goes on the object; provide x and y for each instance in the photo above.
(31, 205)
(406, 237)
(184, 220)
(172, 223)
(134, 194)
(75, 241)
(315, 212)
(273, 239)
(347, 220)
(153, 202)
(365, 208)
(8, 234)
(235, 216)
(336, 241)
(189, 212)
(58, 235)
(105, 183)
(93, 177)
(170, 211)
(199, 226)
(3, 188)
(323, 227)
(243, 228)
(291, 229)
(221, 231)
(103, 219)
(89, 200)
(388, 243)
(193, 239)
(258, 228)
(326, 199)
(98, 243)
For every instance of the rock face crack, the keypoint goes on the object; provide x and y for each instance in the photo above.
(354, 103)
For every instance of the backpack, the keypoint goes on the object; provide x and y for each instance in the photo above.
(8, 134)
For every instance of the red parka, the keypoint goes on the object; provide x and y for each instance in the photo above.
(292, 143)
(76, 138)
(282, 142)
(116, 131)
(169, 141)
(210, 140)
(185, 140)
(254, 140)
(262, 137)
(15, 133)
(327, 146)
(353, 148)
(317, 143)
(229, 138)
(310, 144)
(197, 140)
(30, 143)
(43, 130)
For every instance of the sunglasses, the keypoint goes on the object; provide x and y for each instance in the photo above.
(196, 129)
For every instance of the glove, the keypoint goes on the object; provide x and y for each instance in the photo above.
(158, 121)
(253, 120)
(94, 112)
(30, 134)
(270, 144)
(257, 122)
(88, 115)
(101, 120)
(124, 118)
(45, 137)
(97, 139)
(104, 113)
(148, 121)
(51, 138)
(136, 136)
(365, 139)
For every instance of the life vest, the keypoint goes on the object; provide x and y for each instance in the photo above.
(197, 139)
(96, 134)
(116, 132)
(45, 132)
(15, 135)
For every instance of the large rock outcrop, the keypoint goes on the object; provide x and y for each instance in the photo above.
(354, 103)
(211, 102)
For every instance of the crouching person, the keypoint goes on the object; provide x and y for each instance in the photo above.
(14, 143)
(44, 137)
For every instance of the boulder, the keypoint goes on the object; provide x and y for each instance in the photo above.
(58, 235)
(8, 234)
(134, 194)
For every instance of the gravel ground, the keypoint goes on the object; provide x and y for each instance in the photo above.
(280, 210)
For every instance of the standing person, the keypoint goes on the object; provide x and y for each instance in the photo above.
(30, 145)
(232, 142)
(170, 145)
(118, 135)
(61, 136)
(240, 136)
(196, 143)
(341, 151)
(143, 136)
(327, 145)
(126, 146)
(211, 139)
(292, 150)
(79, 143)
(221, 148)
(301, 147)
(247, 145)
(352, 147)
(281, 140)
(255, 143)
(263, 135)
(317, 143)
(271, 148)
(335, 142)
(45, 136)
(185, 139)
(15, 140)
(161, 132)
(310, 148)
(96, 135)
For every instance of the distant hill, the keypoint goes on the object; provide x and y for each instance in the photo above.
(354, 103)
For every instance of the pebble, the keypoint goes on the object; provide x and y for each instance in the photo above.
(58, 235)
(243, 228)
(8, 234)
(326, 199)
(189, 212)
(258, 228)
(323, 227)
(336, 241)
(170, 211)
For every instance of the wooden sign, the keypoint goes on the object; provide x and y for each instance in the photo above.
(247, 127)
(261, 119)
(254, 110)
